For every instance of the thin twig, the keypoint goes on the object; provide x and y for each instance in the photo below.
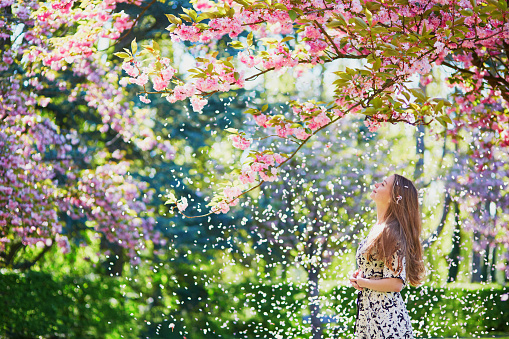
(310, 12)
(328, 37)
(113, 140)
(135, 22)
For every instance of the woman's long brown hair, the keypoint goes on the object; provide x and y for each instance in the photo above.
(401, 231)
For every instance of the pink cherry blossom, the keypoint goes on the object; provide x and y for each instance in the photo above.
(301, 134)
(232, 192)
(144, 99)
(240, 142)
(356, 6)
(261, 120)
(168, 73)
(182, 205)
(198, 103)
(160, 84)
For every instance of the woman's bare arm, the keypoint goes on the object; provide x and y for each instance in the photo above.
(381, 285)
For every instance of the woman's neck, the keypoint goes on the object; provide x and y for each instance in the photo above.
(380, 212)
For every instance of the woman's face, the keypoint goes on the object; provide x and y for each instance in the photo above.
(382, 191)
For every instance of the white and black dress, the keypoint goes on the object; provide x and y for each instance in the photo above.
(381, 315)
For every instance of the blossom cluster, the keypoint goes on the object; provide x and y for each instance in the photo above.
(327, 32)
(82, 42)
(113, 205)
(39, 179)
(26, 184)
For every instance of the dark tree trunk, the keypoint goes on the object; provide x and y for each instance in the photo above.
(436, 233)
(419, 144)
(314, 302)
(506, 276)
(476, 261)
(494, 265)
(117, 268)
(485, 265)
(454, 256)
(114, 265)
(11, 254)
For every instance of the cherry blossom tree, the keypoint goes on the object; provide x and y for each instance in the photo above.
(48, 174)
(394, 42)
(391, 42)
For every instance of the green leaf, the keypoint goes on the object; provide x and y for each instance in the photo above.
(251, 111)
(173, 19)
(191, 13)
(288, 38)
(236, 44)
(467, 12)
(243, 3)
(293, 15)
(232, 130)
(369, 111)
(299, 11)
(335, 23)
(439, 106)
(377, 102)
(155, 45)
(250, 39)
(341, 82)
(265, 107)
(441, 121)
(171, 199)
(171, 28)
(447, 119)
(208, 15)
(369, 16)
(379, 30)
(122, 55)
(390, 52)
(350, 71)
(361, 22)
(377, 64)
(419, 94)
(186, 17)
(134, 46)
(341, 17)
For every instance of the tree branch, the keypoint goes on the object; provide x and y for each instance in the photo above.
(434, 236)
(328, 37)
(28, 264)
(14, 249)
(135, 22)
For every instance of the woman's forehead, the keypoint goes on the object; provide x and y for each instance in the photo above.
(390, 179)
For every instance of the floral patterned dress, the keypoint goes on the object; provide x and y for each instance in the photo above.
(381, 314)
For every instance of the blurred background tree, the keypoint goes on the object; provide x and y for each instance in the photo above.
(96, 167)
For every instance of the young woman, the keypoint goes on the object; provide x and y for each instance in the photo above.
(387, 258)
